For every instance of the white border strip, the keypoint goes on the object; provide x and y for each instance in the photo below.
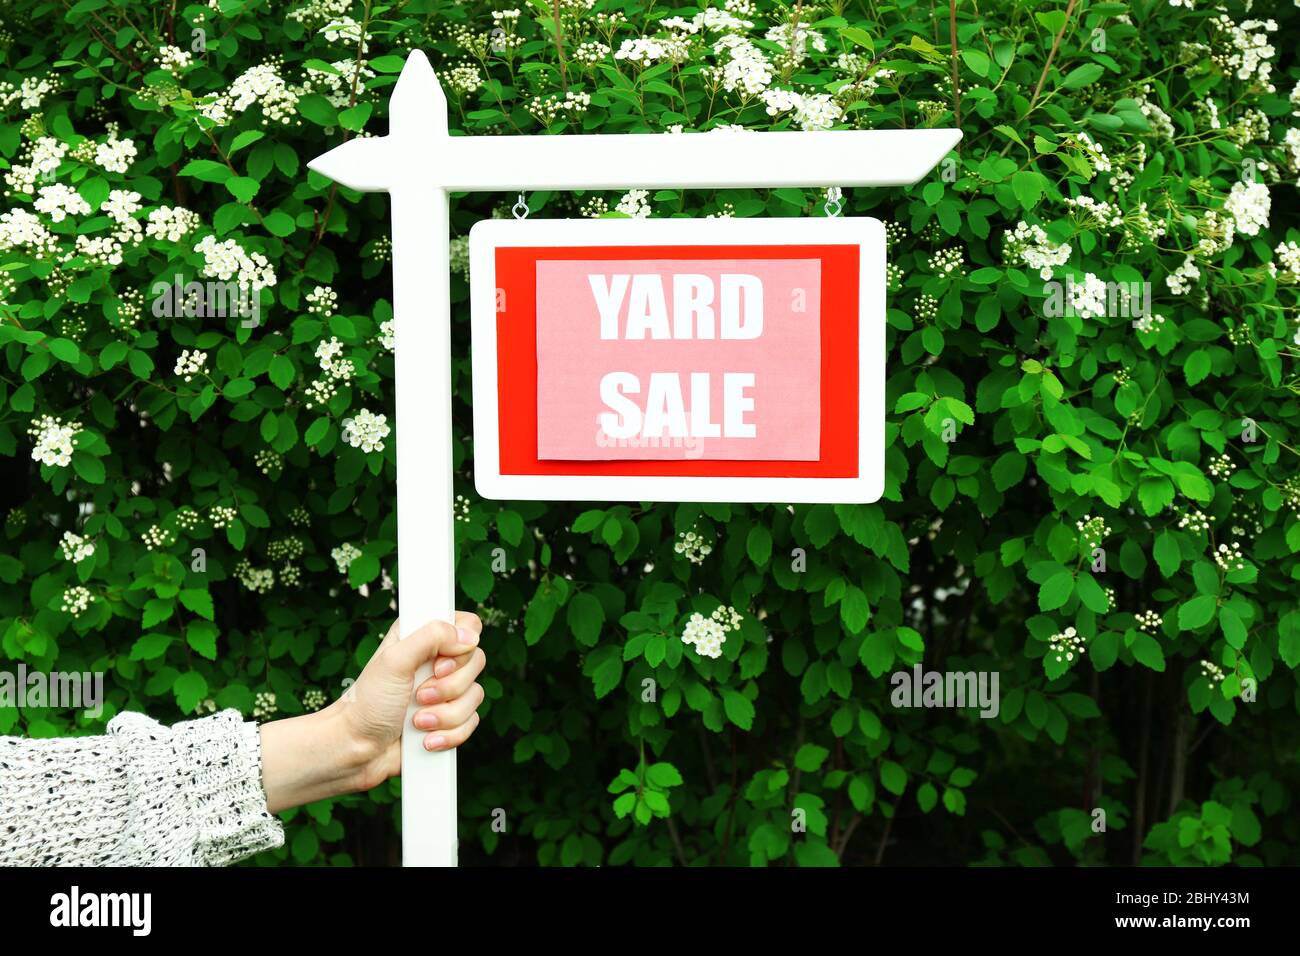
(489, 235)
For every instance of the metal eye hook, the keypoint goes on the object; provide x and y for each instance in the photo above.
(834, 201)
(520, 209)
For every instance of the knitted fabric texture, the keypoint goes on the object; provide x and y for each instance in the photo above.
(142, 795)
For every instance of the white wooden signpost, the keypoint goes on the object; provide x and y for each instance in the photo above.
(725, 300)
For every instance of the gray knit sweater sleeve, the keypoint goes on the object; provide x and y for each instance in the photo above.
(142, 795)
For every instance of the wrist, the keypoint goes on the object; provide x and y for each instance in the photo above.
(312, 757)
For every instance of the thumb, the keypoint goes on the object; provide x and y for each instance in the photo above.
(434, 639)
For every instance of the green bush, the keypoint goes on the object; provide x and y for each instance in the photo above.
(1095, 501)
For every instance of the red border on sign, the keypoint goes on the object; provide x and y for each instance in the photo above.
(516, 277)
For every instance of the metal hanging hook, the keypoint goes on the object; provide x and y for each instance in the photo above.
(520, 208)
(834, 201)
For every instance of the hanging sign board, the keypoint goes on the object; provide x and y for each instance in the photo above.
(679, 360)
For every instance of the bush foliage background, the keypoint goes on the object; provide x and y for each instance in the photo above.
(1011, 424)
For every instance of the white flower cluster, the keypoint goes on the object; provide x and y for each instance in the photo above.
(121, 206)
(1088, 298)
(548, 109)
(191, 363)
(314, 699)
(1194, 520)
(59, 201)
(115, 155)
(29, 94)
(1096, 212)
(1149, 323)
(1244, 49)
(288, 548)
(174, 60)
(458, 255)
(1030, 245)
(1286, 267)
(1096, 155)
(1160, 122)
(264, 705)
(1229, 557)
(328, 352)
(645, 51)
(746, 70)
(693, 547)
(1092, 530)
(43, 158)
(366, 431)
(708, 634)
(171, 223)
(228, 260)
(22, 230)
(466, 78)
(811, 112)
(157, 536)
(1249, 205)
(320, 11)
(53, 440)
(1149, 622)
(322, 301)
(1066, 646)
(344, 555)
(803, 38)
(1183, 279)
(336, 83)
(1221, 466)
(344, 30)
(75, 548)
(257, 580)
(98, 250)
(268, 462)
(221, 515)
(1212, 672)
(1216, 231)
(259, 85)
(591, 52)
(76, 600)
(947, 262)
(188, 518)
(1292, 142)
(635, 203)
(388, 334)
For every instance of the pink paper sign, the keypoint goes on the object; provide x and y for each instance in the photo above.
(679, 359)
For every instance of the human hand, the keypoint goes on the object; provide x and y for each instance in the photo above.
(356, 742)
(374, 708)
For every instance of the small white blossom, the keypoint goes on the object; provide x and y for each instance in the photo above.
(366, 431)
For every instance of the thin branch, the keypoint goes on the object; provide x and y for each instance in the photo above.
(1069, 10)
(956, 83)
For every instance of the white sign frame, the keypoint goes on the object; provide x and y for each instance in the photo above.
(866, 233)
(419, 163)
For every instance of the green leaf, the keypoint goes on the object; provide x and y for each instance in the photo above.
(893, 777)
(585, 617)
(810, 758)
(198, 600)
(1168, 555)
(1288, 634)
(759, 545)
(1081, 76)
(1147, 651)
(190, 688)
(1055, 591)
(1197, 612)
(738, 708)
(208, 170)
